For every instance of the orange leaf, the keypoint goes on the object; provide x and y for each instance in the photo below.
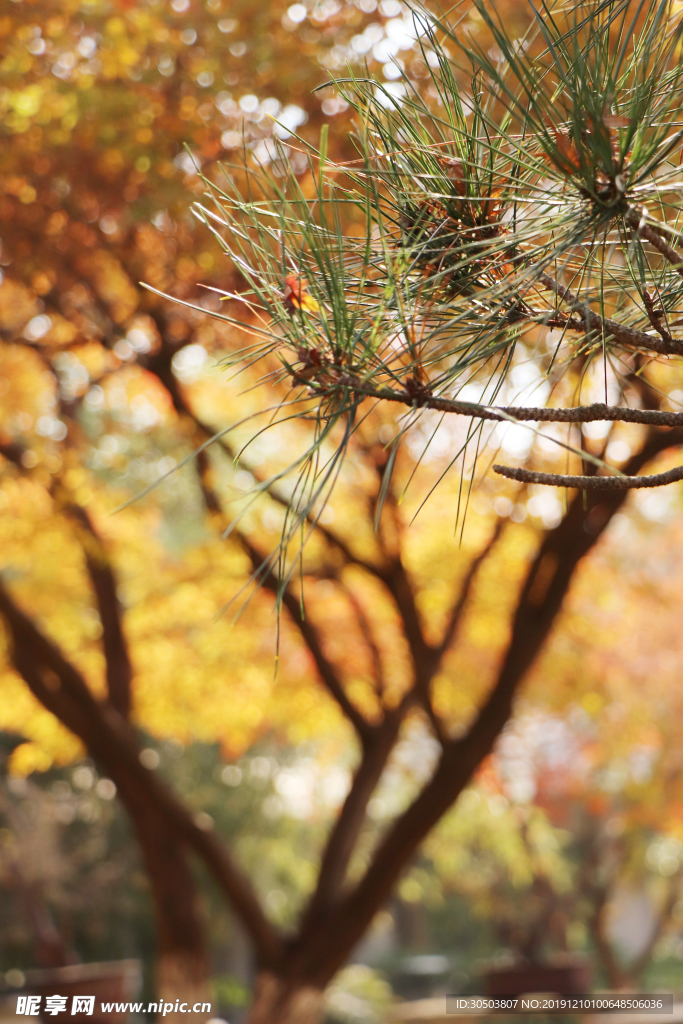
(456, 172)
(568, 152)
(296, 295)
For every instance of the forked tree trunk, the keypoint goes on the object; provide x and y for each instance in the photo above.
(279, 1001)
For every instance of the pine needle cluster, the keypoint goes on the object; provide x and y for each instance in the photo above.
(531, 191)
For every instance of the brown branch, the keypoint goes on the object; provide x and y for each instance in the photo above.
(366, 630)
(540, 600)
(591, 483)
(326, 669)
(425, 658)
(61, 688)
(119, 672)
(344, 833)
(118, 668)
(654, 315)
(623, 335)
(466, 589)
(399, 586)
(511, 413)
(430, 663)
(652, 234)
(117, 660)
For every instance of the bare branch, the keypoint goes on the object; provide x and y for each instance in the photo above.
(623, 335)
(119, 672)
(344, 834)
(424, 657)
(591, 483)
(652, 234)
(459, 605)
(655, 314)
(366, 630)
(61, 688)
(118, 667)
(326, 669)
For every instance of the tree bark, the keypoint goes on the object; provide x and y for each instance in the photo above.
(281, 1001)
(183, 968)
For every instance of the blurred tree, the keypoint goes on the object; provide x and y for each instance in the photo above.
(470, 220)
(71, 879)
(98, 101)
(616, 782)
(72, 884)
(93, 370)
(595, 750)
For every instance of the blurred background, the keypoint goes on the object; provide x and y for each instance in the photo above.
(569, 843)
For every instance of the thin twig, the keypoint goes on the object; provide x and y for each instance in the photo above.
(459, 605)
(622, 334)
(328, 672)
(650, 233)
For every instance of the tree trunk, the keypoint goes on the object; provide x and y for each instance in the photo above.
(181, 980)
(183, 967)
(284, 1001)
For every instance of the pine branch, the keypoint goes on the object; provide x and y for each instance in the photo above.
(504, 414)
(610, 329)
(591, 483)
(652, 233)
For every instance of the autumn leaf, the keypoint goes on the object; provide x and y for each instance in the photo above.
(567, 152)
(297, 296)
(456, 173)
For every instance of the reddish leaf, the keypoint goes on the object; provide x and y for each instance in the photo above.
(296, 295)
